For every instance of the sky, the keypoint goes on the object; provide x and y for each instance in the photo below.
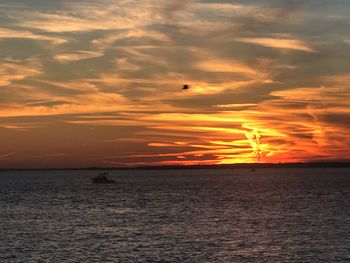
(87, 83)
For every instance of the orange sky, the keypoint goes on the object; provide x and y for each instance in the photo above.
(98, 83)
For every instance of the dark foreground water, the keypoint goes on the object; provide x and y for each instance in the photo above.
(271, 215)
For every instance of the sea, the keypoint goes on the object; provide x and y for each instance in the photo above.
(202, 215)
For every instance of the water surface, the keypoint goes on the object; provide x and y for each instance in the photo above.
(271, 215)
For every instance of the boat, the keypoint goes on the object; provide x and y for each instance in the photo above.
(102, 179)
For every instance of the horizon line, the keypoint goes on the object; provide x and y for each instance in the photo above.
(315, 164)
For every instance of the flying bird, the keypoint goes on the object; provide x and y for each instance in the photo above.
(185, 87)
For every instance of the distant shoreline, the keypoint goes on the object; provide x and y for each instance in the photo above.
(188, 167)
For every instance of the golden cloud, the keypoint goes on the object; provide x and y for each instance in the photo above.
(292, 44)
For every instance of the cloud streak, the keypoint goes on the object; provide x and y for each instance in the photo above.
(12, 70)
(20, 34)
(4, 156)
(279, 43)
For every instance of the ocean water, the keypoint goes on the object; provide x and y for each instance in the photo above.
(270, 215)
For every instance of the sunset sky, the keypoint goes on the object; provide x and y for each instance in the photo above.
(98, 82)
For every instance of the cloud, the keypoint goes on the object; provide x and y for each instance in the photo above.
(19, 34)
(5, 156)
(221, 65)
(61, 23)
(79, 55)
(278, 43)
(171, 7)
(13, 70)
(102, 15)
(235, 105)
(124, 65)
(19, 126)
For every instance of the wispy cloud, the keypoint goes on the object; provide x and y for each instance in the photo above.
(292, 44)
(4, 156)
(20, 34)
(79, 55)
(102, 15)
(169, 8)
(12, 70)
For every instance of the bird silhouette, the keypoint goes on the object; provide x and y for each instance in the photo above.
(184, 87)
